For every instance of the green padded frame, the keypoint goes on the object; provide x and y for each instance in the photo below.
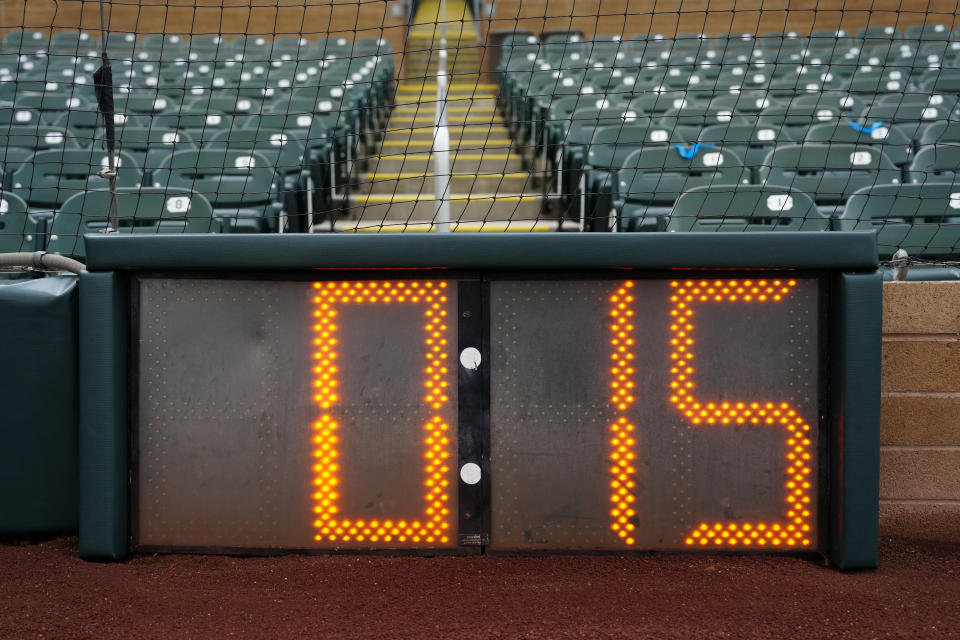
(853, 324)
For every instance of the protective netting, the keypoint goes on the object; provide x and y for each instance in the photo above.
(271, 117)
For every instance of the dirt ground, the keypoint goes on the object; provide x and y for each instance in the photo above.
(46, 591)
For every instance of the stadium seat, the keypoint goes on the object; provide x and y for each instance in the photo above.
(145, 210)
(18, 143)
(941, 132)
(828, 172)
(286, 152)
(18, 229)
(922, 219)
(751, 141)
(47, 178)
(651, 180)
(938, 164)
(239, 185)
(745, 208)
(891, 141)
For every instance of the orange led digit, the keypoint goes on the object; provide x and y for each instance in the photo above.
(622, 441)
(433, 525)
(795, 529)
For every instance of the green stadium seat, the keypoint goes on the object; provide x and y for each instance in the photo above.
(940, 132)
(230, 103)
(938, 163)
(286, 152)
(940, 80)
(828, 172)
(928, 32)
(879, 33)
(750, 141)
(77, 43)
(890, 140)
(19, 142)
(239, 185)
(922, 219)
(25, 42)
(47, 178)
(18, 229)
(163, 45)
(652, 179)
(910, 118)
(149, 145)
(745, 208)
(199, 125)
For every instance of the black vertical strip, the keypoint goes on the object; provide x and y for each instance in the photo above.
(473, 416)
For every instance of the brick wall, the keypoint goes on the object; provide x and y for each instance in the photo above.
(920, 432)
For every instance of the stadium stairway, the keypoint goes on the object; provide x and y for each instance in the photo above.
(393, 188)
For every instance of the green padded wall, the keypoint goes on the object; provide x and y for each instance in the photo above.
(38, 403)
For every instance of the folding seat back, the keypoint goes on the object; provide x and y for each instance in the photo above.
(753, 103)
(146, 103)
(940, 132)
(208, 44)
(909, 117)
(944, 80)
(745, 208)
(658, 175)
(146, 210)
(149, 145)
(48, 178)
(928, 32)
(878, 33)
(828, 172)
(828, 40)
(25, 42)
(751, 141)
(612, 144)
(121, 45)
(252, 48)
(288, 46)
(199, 125)
(18, 230)
(170, 45)
(19, 142)
(891, 141)
(658, 102)
(797, 118)
(239, 185)
(283, 150)
(77, 43)
(226, 102)
(824, 104)
(919, 100)
(937, 163)
(922, 219)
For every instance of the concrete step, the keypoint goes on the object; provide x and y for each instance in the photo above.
(543, 225)
(415, 207)
(410, 182)
(486, 108)
(461, 161)
(492, 129)
(427, 117)
(454, 86)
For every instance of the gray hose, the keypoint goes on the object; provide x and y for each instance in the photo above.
(41, 260)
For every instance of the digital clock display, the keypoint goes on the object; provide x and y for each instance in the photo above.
(604, 413)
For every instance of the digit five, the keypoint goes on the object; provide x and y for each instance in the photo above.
(791, 530)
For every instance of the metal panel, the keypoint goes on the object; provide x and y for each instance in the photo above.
(294, 415)
(560, 428)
